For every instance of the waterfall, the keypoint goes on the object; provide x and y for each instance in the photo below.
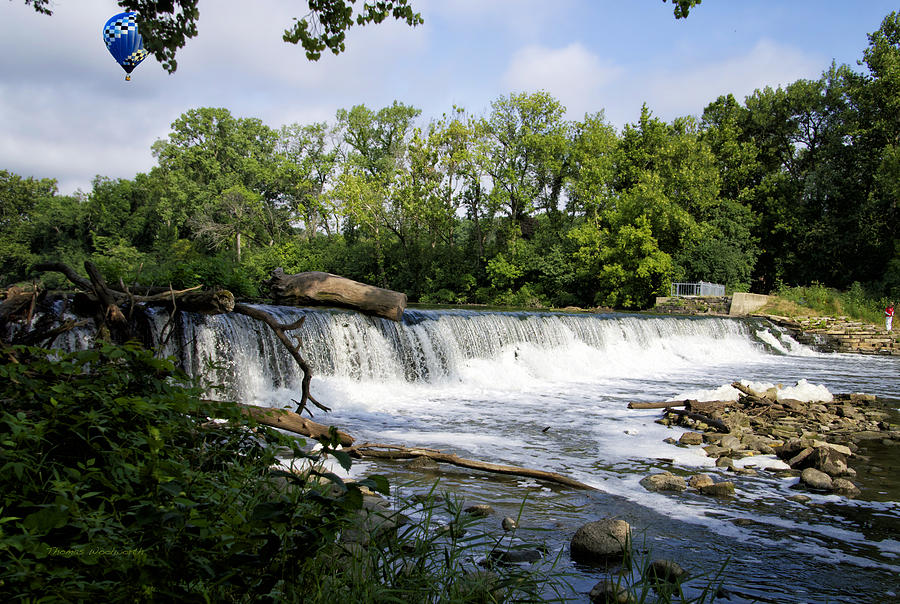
(245, 358)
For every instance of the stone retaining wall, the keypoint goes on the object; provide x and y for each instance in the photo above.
(705, 305)
(840, 335)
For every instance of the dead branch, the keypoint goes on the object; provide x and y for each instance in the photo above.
(700, 417)
(293, 349)
(47, 335)
(380, 451)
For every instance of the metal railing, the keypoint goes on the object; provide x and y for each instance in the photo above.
(686, 290)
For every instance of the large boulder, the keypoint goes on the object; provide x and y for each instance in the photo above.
(600, 540)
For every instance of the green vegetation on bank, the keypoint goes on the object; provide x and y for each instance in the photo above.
(855, 303)
(116, 487)
(520, 206)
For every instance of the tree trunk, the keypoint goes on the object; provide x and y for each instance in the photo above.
(318, 288)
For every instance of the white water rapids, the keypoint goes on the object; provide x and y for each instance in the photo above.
(549, 391)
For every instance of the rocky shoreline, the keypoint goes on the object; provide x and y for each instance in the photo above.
(815, 439)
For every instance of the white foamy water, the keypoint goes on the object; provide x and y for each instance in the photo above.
(550, 391)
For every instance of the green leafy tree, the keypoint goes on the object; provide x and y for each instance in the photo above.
(308, 159)
(19, 198)
(526, 150)
(208, 152)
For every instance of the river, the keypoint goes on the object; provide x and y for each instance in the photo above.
(550, 391)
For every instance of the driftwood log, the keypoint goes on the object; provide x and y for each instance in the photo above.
(325, 289)
(379, 451)
(658, 405)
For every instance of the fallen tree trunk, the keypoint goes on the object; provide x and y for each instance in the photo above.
(292, 422)
(318, 288)
(378, 451)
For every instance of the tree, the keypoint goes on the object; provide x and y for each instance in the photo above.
(308, 158)
(235, 212)
(208, 152)
(526, 153)
(19, 197)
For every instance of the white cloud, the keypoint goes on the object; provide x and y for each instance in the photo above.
(573, 75)
(671, 94)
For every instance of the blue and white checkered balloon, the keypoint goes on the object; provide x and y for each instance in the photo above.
(124, 41)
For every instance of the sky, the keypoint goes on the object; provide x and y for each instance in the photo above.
(66, 111)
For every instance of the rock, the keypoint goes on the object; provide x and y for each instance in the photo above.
(715, 450)
(481, 510)
(719, 489)
(665, 481)
(609, 592)
(732, 443)
(601, 539)
(800, 498)
(509, 524)
(698, 481)
(423, 463)
(842, 486)
(516, 556)
(724, 462)
(816, 479)
(665, 570)
(800, 459)
(691, 438)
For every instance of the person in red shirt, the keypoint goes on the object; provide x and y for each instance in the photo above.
(889, 316)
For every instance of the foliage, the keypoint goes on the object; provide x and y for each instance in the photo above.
(117, 487)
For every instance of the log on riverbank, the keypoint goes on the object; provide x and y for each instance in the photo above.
(293, 422)
(318, 288)
(381, 451)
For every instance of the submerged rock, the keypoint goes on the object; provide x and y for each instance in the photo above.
(480, 510)
(842, 486)
(610, 592)
(666, 570)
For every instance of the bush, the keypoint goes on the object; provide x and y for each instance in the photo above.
(116, 487)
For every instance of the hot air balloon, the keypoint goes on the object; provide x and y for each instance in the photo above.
(124, 42)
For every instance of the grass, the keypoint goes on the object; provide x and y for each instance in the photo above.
(816, 300)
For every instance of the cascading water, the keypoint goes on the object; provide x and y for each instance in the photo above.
(440, 346)
(550, 391)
